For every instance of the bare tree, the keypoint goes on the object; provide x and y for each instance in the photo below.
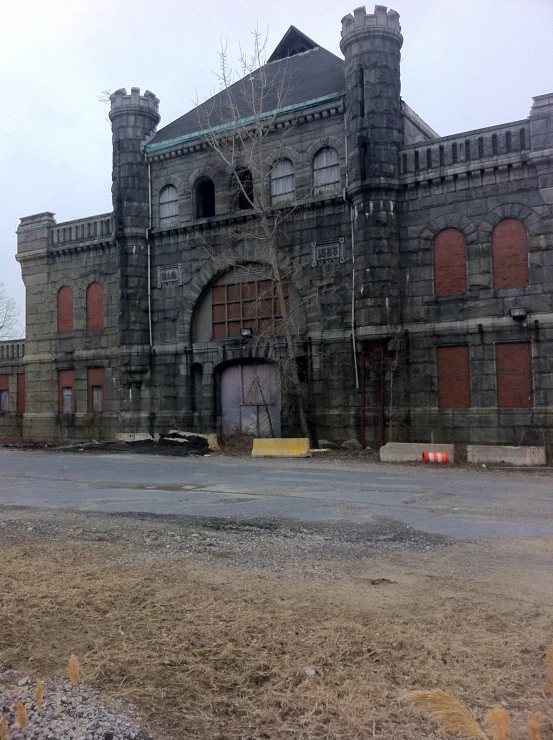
(9, 325)
(246, 127)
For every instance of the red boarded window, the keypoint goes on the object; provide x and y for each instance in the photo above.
(240, 306)
(95, 388)
(513, 365)
(453, 370)
(21, 393)
(66, 391)
(4, 392)
(510, 254)
(65, 310)
(450, 262)
(94, 307)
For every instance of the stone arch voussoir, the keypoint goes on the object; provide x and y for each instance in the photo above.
(508, 210)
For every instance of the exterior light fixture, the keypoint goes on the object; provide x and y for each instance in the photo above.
(245, 333)
(518, 314)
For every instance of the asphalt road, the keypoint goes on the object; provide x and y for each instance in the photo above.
(462, 503)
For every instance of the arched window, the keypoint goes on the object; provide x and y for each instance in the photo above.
(510, 254)
(65, 310)
(241, 190)
(450, 263)
(94, 307)
(283, 182)
(168, 206)
(205, 198)
(326, 171)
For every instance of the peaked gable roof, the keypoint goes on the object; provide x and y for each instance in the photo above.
(293, 42)
(292, 77)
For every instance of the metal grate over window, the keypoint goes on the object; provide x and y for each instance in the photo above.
(251, 305)
(326, 171)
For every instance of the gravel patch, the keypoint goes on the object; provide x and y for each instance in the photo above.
(58, 716)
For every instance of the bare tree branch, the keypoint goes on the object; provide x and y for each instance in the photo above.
(9, 324)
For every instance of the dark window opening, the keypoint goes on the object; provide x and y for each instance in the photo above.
(481, 147)
(205, 198)
(417, 162)
(494, 144)
(404, 164)
(508, 142)
(442, 155)
(454, 153)
(242, 190)
(467, 150)
(429, 159)
(361, 93)
(363, 152)
(522, 136)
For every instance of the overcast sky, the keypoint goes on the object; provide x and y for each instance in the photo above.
(466, 64)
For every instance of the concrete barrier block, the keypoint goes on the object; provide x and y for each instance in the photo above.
(293, 447)
(412, 451)
(502, 454)
(133, 437)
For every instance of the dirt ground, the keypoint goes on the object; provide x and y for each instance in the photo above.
(228, 629)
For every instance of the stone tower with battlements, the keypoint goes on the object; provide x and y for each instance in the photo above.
(134, 119)
(371, 44)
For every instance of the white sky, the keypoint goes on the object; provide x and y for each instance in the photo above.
(466, 64)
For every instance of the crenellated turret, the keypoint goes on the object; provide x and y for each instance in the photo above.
(134, 119)
(371, 44)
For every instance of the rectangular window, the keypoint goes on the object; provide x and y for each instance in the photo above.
(95, 390)
(66, 391)
(21, 393)
(4, 392)
(513, 366)
(67, 400)
(453, 372)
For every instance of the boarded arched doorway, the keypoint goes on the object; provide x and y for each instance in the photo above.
(250, 400)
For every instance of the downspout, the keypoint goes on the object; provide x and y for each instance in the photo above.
(148, 232)
(352, 227)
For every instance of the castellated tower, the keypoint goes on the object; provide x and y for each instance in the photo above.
(371, 44)
(134, 119)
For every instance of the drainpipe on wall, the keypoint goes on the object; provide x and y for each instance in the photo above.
(352, 225)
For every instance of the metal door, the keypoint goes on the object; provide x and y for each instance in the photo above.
(250, 400)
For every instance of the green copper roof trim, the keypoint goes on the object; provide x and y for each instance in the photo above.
(150, 148)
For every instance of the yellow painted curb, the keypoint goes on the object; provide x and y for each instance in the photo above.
(281, 448)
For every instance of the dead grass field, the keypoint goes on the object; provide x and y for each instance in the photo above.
(219, 653)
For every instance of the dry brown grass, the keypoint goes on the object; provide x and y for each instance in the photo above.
(219, 653)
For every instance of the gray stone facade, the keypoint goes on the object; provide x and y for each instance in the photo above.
(360, 259)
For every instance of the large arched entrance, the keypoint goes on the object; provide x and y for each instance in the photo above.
(250, 400)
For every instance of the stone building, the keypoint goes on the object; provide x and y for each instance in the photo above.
(413, 272)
